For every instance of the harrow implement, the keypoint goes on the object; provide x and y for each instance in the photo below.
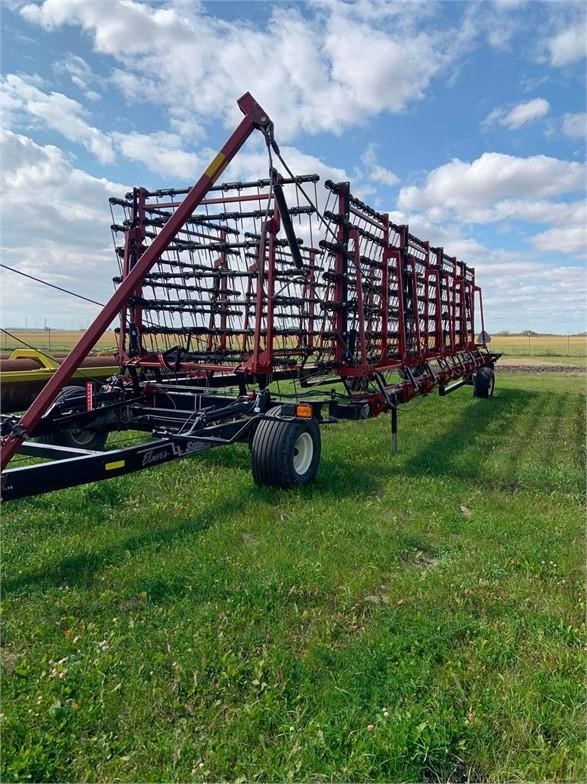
(253, 311)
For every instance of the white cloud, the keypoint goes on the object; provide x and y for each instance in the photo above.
(575, 125)
(55, 225)
(131, 85)
(518, 115)
(111, 22)
(571, 240)
(161, 153)
(445, 235)
(471, 190)
(497, 22)
(530, 83)
(509, 4)
(332, 66)
(374, 171)
(519, 293)
(538, 211)
(502, 188)
(519, 290)
(80, 73)
(526, 112)
(569, 45)
(21, 97)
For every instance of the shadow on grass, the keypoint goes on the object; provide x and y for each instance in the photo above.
(334, 478)
(81, 569)
(526, 429)
(467, 435)
(510, 424)
(513, 417)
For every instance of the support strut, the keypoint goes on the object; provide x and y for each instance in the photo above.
(394, 429)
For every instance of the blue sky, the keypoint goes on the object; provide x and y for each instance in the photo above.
(464, 119)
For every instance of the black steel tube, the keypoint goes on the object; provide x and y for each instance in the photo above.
(286, 221)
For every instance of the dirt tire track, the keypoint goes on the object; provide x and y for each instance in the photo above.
(539, 368)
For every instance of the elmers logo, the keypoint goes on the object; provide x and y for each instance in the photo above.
(160, 454)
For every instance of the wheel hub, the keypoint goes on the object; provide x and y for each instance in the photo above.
(303, 453)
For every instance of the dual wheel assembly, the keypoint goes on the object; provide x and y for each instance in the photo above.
(75, 437)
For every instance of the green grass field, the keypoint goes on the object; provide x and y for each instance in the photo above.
(570, 349)
(52, 340)
(409, 617)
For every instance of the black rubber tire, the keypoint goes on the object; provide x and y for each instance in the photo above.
(78, 439)
(274, 449)
(483, 382)
(273, 412)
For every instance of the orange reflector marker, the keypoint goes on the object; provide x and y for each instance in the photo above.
(304, 410)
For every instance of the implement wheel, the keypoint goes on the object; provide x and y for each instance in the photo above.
(285, 454)
(483, 382)
(79, 439)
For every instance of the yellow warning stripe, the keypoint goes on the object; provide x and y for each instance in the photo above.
(116, 464)
(216, 166)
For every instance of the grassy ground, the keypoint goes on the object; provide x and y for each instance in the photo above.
(416, 617)
(575, 364)
(573, 348)
(51, 340)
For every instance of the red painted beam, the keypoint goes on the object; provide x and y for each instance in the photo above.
(255, 117)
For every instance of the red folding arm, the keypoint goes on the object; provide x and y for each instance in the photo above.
(255, 117)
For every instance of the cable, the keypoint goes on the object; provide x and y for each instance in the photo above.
(52, 285)
(28, 345)
(59, 288)
(308, 199)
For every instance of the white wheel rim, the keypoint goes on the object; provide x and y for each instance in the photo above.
(303, 453)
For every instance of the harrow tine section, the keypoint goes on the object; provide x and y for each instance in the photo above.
(344, 289)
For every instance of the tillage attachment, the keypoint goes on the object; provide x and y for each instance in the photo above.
(252, 311)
